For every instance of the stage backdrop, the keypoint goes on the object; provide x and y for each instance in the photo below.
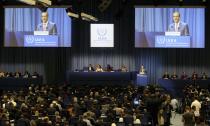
(52, 63)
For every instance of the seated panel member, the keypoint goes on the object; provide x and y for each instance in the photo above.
(174, 76)
(204, 76)
(184, 76)
(2, 74)
(17, 74)
(35, 75)
(99, 68)
(142, 70)
(123, 68)
(47, 25)
(194, 76)
(9, 74)
(166, 75)
(90, 68)
(26, 74)
(109, 68)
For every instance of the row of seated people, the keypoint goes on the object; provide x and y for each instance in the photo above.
(26, 74)
(184, 76)
(108, 68)
(52, 105)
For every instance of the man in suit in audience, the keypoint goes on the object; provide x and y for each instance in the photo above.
(178, 26)
(47, 25)
(188, 117)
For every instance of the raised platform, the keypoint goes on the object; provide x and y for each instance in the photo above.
(17, 83)
(175, 87)
(120, 78)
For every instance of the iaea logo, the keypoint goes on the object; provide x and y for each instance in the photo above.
(102, 31)
(30, 39)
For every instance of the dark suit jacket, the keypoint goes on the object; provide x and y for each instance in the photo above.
(51, 27)
(183, 28)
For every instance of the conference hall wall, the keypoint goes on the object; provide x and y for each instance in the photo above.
(53, 63)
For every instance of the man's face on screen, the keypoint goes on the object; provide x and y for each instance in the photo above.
(176, 17)
(44, 17)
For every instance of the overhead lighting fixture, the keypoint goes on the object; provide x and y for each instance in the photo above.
(70, 13)
(104, 5)
(88, 17)
(29, 2)
(45, 2)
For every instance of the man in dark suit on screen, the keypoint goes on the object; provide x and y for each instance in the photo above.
(178, 26)
(47, 25)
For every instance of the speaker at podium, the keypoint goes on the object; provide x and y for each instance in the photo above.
(142, 78)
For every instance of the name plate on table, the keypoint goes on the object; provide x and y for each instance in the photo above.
(41, 32)
(40, 41)
(172, 41)
(172, 33)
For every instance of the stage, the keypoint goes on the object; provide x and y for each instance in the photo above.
(96, 78)
(17, 83)
(175, 87)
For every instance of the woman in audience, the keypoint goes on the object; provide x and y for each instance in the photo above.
(160, 117)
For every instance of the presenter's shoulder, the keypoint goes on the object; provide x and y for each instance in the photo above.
(52, 23)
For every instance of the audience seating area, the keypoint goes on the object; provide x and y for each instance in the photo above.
(65, 105)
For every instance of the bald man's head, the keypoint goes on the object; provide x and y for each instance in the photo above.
(44, 17)
(176, 17)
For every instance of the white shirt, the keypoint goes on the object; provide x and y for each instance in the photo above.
(87, 122)
(174, 104)
(197, 105)
(44, 25)
(177, 26)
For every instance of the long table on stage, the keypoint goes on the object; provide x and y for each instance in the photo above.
(175, 87)
(100, 77)
(17, 83)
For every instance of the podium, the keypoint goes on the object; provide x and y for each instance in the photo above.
(141, 79)
(172, 41)
(40, 41)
